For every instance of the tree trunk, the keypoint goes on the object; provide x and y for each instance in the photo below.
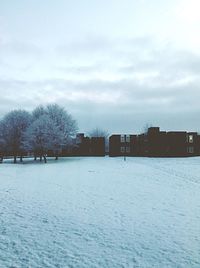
(56, 157)
(35, 158)
(40, 158)
(15, 159)
(21, 160)
(45, 159)
(1, 159)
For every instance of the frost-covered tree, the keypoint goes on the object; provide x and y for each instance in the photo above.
(37, 112)
(13, 127)
(51, 129)
(63, 120)
(38, 136)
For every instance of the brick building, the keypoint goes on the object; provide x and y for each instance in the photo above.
(156, 143)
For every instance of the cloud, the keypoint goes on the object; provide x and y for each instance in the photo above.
(105, 101)
(18, 49)
(118, 84)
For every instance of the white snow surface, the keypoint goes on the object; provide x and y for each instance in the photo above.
(100, 212)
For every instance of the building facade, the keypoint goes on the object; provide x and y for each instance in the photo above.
(85, 146)
(123, 145)
(156, 143)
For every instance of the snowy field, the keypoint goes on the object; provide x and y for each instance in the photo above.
(100, 212)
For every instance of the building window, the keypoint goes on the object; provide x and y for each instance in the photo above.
(190, 138)
(127, 149)
(190, 150)
(122, 149)
(122, 138)
(127, 138)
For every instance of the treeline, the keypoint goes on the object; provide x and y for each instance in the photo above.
(47, 128)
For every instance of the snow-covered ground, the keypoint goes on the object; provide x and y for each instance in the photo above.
(100, 212)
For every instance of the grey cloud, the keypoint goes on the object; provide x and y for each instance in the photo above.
(168, 67)
(128, 90)
(20, 48)
(17, 58)
(131, 56)
(90, 44)
(135, 103)
(81, 69)
(169, 98)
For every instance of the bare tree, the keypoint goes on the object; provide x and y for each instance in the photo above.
(146, 127)
(98, 132)
(13, 127)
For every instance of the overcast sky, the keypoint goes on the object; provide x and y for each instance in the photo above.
(115, 64)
